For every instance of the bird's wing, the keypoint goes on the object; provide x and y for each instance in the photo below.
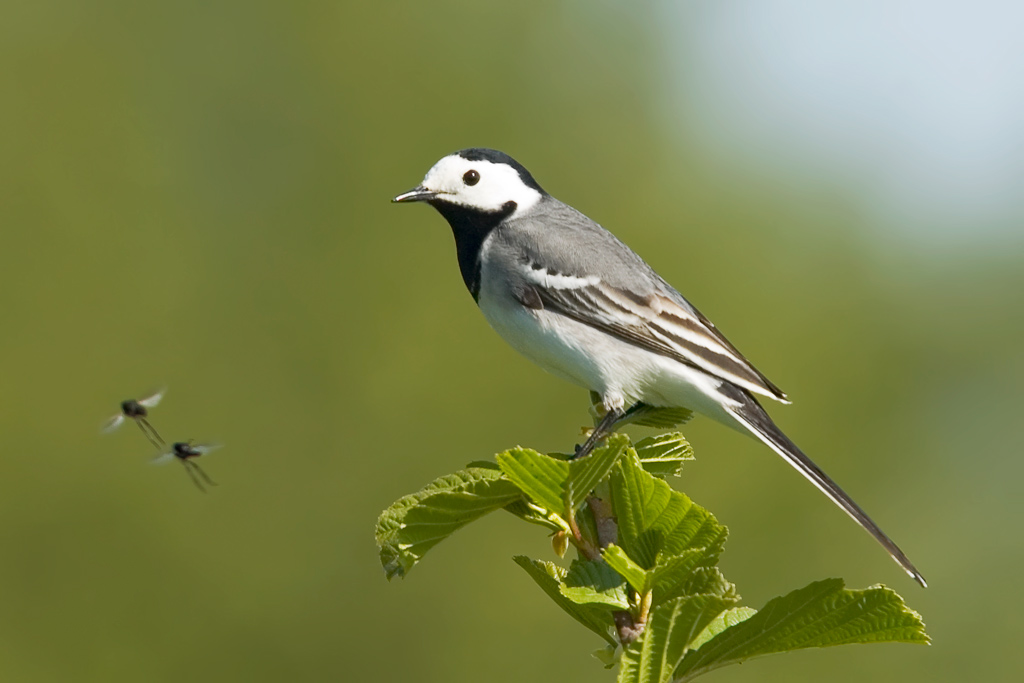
(660, 321)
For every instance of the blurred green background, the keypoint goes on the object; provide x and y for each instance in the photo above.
(197, 195)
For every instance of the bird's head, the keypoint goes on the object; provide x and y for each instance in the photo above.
(479, 180)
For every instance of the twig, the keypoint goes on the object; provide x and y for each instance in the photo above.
(588, 550)
(607, 534)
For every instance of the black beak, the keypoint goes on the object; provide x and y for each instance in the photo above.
(416, 194)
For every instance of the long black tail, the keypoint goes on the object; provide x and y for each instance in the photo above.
(752, 416)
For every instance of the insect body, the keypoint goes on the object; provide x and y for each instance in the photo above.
(187, 452)
(138, 410)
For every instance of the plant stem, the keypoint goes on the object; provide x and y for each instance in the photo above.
(607, 534)
(628, 631)
(645, 610)
(588, 550)
(604, 520)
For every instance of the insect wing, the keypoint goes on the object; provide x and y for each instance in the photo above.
(113, 423)
(163, 458)
(204, 448)
(153, 400)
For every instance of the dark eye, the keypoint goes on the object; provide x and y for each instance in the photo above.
(471, 177)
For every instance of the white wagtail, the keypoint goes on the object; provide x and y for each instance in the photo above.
(571, 297)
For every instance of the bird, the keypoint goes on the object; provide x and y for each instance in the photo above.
(570, 296)
(138, 410)
(187, 452)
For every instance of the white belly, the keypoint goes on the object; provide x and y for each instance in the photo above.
(620, 372)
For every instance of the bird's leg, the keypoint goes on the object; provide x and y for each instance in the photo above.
(605, 427)
(628, 414)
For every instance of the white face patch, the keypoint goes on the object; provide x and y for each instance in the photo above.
(498, 184)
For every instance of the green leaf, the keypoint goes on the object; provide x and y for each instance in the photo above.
(416, 523)
(669, 446)
(638, 499)
(528, 512)
(539, 476)
(664, 455)
(656, 520)
(633, 573)
(687, 574)
(726, 619)
(483, 464)
(557, 485)
(645, 415)
(588, 528)
(707, 580)
(606, 655)
(666, 639)
(595, 583)
(549, 576)
(660, 418)
(823, 614)
(586, 474)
